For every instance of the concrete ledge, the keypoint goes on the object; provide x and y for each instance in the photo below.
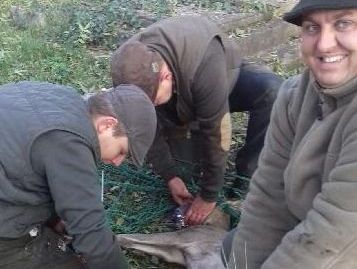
(271, 35)
(240, 20)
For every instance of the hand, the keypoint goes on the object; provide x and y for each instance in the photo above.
(57, 225)
(199, 211)
(60, 227)
(179, 192)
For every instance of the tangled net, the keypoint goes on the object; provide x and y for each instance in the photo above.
(137, 201)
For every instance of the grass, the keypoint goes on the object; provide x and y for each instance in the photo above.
(28, 54)
(60, 52)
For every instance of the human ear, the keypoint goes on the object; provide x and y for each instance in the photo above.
(165, 73)
(168, 75)
(105, 123)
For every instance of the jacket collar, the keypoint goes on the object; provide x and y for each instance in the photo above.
(339, 92)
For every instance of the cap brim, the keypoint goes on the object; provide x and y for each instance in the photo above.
(137, 154)
(137, 113)
(296, 14)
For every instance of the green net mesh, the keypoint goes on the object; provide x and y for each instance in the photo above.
(137, 201)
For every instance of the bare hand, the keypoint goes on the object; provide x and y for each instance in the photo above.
(199, 211)
(179, 192)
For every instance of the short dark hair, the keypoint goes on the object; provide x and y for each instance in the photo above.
(135, 63)
(101, 103)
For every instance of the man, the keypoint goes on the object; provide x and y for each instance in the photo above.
(301, 210)
(194, 76)
(51, 139)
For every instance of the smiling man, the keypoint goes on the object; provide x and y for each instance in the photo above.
(301, 211)
(50, 199)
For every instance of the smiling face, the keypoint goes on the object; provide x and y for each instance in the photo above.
(329, 45)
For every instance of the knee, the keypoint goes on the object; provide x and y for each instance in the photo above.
(271, 84)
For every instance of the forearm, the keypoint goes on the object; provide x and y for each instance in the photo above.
(211, 91)
(265, 216)
(213, 168)
(105, 253)
(326, 238)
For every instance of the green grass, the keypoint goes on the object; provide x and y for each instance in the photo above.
(28, 54)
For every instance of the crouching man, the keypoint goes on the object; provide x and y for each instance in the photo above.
(51, 140)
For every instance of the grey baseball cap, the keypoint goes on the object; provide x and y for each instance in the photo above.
(137, 113)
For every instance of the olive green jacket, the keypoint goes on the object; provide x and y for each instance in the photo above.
(205, 66)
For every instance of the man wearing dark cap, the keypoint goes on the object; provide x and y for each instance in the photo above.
(195, 77)
(50, 199)
(301, 210)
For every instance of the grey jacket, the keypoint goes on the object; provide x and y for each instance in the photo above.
(301, 211)
(48, 151)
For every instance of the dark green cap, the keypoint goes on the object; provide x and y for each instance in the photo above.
(304, 6)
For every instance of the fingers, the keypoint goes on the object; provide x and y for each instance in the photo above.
(179, 192)
(183, 199)
(178, 199)
(195, 218)
(60, 227)
(199, 211)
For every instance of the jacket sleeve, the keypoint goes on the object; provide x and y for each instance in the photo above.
(265, 217)
(327, 237)
(67, 162)
(210, 91)
(159, 156)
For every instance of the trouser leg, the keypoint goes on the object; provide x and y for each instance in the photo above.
(40, 252)
(255, 91)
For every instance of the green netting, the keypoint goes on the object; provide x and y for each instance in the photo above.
(136, 200)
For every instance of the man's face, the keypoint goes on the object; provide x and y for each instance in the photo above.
(329, 45)
(113, 149)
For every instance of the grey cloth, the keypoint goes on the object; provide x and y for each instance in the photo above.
(28, 110)
(305, 6)
(71, 171)
(40, 252)
(301, 211)
(49, 149)
(137, 113)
